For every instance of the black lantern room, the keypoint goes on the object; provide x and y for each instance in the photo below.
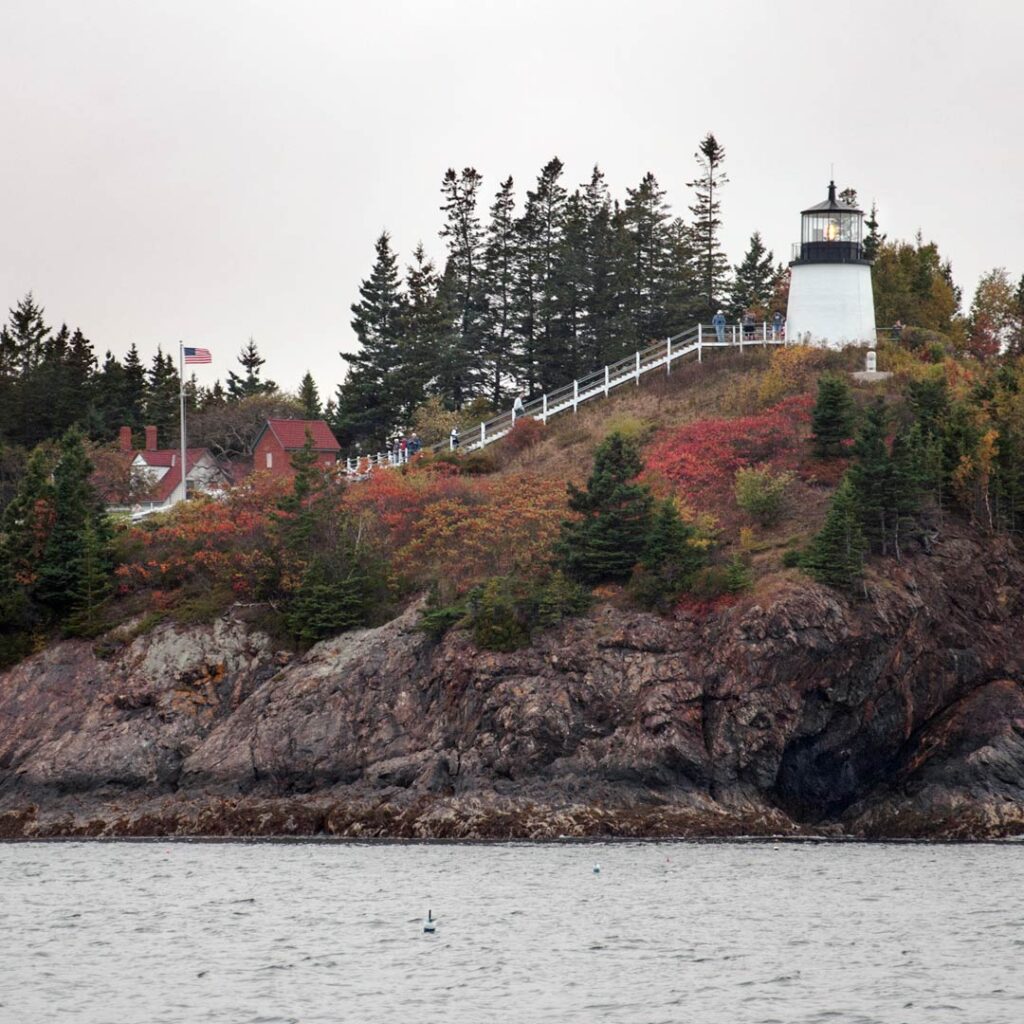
(831, 232)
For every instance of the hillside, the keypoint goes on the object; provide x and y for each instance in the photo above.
(737, 674)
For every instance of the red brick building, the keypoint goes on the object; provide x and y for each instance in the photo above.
(279, 439)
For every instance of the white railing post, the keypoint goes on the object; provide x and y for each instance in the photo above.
(700, 343)
(741, 336)
(764, 331)
(607, 382)
(575, 394)
(668, 355)
(483, 434)
(638, 368)
(544, 408)
(734, 335)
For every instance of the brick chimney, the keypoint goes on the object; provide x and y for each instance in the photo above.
(150, 439)
(125, 439)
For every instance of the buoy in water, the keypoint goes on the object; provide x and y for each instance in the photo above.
(430, 923)
(597, 869)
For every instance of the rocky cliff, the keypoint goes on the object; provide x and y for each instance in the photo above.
(794, 711)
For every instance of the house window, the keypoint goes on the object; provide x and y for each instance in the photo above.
(270, 460)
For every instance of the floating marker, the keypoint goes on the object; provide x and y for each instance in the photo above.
(597, 869)
(430, 923)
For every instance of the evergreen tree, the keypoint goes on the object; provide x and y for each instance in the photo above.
(93, 582)
(302, 509)
(615, 515)
(832, 417)
(329, 600)
(713, 267)
(251, 361)
(499, 289)
(161, 408)
(870, 476)
(134, 389)
(426, 336)
(309, 397)
(873, 241)
(77, 510)
(929, 400)
(907, 485)
(110, 397)
(367, 403)
(836, 555)
(464, 284)
(646, 218)
(670, 558)
(27, 520)
(754, 281)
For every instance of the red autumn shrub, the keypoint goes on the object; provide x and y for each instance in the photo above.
(701, 458)
(525, 434)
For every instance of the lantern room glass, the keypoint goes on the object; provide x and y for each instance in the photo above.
(832, 226)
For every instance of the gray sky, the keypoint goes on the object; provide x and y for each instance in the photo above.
(215, 169)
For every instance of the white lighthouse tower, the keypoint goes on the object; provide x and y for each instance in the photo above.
(830, 297)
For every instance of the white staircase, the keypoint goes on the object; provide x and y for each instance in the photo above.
(595, 385)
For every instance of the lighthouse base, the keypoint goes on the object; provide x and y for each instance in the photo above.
(830, 304)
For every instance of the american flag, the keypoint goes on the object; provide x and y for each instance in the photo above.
(197, 355)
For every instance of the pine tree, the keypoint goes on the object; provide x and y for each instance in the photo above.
(27, 520)
(329, 600)
(426, 337)
(251, 361)
(367, 404)
(670, 558)
(870, 476)
(309, 397)
(907, 484)
(713, 267)
(832, 419)
(754, 281)
(836, 555)
(499, 285)
(464, 281)
(134, 389)
(302, 508)
(77, 511)
(873, 241)
(93, 583)
(647, 223)
(161, 408)
(615, 514)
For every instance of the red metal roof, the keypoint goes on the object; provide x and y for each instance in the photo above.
(291, 434)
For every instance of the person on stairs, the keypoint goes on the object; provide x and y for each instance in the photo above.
(718, 322)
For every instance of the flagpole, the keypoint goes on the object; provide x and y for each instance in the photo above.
(181, 398)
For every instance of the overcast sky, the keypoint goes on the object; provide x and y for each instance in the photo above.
(211, 170)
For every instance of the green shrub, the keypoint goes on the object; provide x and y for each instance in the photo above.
(438, 619)
(738, 575)
(792, 558)
(671, 557)
(709, 583)
(635, 429)
(560, 598)
(762, 493)
(499, 618)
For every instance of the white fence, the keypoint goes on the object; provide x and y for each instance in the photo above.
(595, 385)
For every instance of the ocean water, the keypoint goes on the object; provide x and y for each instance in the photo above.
(665, 932)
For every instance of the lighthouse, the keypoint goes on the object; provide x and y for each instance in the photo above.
(830, 297)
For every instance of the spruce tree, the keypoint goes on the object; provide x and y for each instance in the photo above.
(366, 400)
(499, 289)
(26, 522)
(754, 280)
(309, 397)
(77, 511)
(329, 600)
(870, 476)
(134, 389)
(670, 558)
(713, 267)
(426, 337)
(873, 241)
(464, 281)
(836, 555)
(251, 361)
(161, 405)
(647, 222)
(832, 419)
(615, 515)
